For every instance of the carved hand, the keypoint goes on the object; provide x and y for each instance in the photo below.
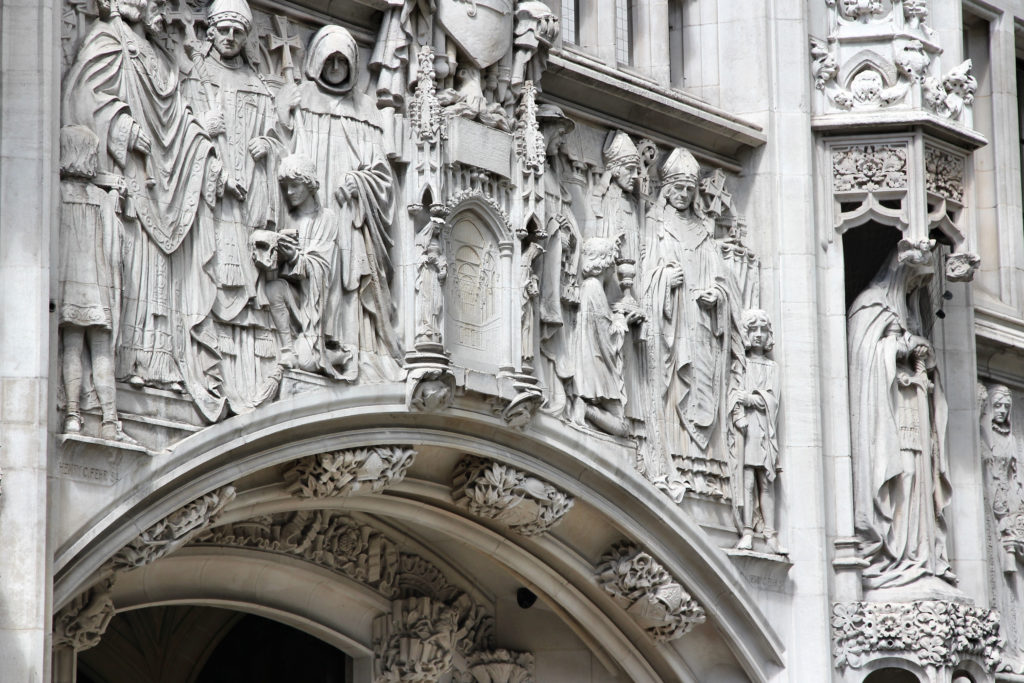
(288, 248)
(708, 298)
(676, 279)
(143, 145)
(237, 189)
(213, 122)
(258, 148)
(295, 101)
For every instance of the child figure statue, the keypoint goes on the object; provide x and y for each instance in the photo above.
(90, 292)
(755, 415)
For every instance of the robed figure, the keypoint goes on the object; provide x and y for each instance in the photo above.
(125, 88)
(228, 94)
(694, 325)
(898, 420)
(337, 126)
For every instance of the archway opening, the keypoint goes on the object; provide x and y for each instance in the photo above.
(197, 644)
(891, 675)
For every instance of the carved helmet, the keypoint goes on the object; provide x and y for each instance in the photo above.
(680, 165)
(619, 149)
(236, 11)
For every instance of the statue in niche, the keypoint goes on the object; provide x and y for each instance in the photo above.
(898, 418)
(124, 86)
(234, 104)
(559, 281)
(755, 417)
(331, 122)
(90, 280)
(529, 283)
(301, 277)
(1003, 470)
(431, 273)
(598, 389)
(694, 326)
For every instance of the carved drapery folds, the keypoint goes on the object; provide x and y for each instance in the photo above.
(645, 589)
(493, 490)
(933, 633)
(1004, 480)
(339, 473)
(174, 531)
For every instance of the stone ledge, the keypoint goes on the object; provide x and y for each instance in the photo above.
(762, 570)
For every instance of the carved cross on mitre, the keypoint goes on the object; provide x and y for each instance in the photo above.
(283, 42)
(188, 18)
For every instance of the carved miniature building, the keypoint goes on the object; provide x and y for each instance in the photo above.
(496, 341)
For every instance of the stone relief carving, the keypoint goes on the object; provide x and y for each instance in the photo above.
(898, 419)
(81, 623)
(944, 174)
(499, 666)
(340, 473)
(882, 55)
(414, 642)
(645, 589)
(289, 263)
(525, 504)
(360, 552)
(867, 168)
(172, 532)
(695, 303)
(932, 633)
(755, 417)
(1001, 454)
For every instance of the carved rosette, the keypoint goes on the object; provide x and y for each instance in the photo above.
(340, 473)
(500, 666)
(500, 492)
(944, 174)
(414, 642)
(933, 633)
(81, 623)
(867, 168)
(174, 531)
(645, 589)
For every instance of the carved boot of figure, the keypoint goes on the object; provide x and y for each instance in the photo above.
(283, 322)
(771, 538)
(111, 431)
(746, 541)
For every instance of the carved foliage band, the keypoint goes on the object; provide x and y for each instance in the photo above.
(83, 621)
(867, 168)
(500, 492)
(645, 589)
(339, 473)
(414, 642)
(173, 531)
(931, 632)
(944, 174)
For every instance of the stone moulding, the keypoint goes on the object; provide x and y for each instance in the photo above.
(869, 168)
(933, 633)
(339, 473)
(174, 531)
(500, 492)
(645, 589)
(499, 666)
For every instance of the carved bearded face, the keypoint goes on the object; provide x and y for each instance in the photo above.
(680, 194)
(335, 71)
(154, 17)
(228, 38)
(132, 10)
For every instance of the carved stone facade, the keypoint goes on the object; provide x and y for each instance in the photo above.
(516, 340)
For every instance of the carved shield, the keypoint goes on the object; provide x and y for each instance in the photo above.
(481, 28)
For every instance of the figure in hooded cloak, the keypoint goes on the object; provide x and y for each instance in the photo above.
(331, 122)
(898, 420)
